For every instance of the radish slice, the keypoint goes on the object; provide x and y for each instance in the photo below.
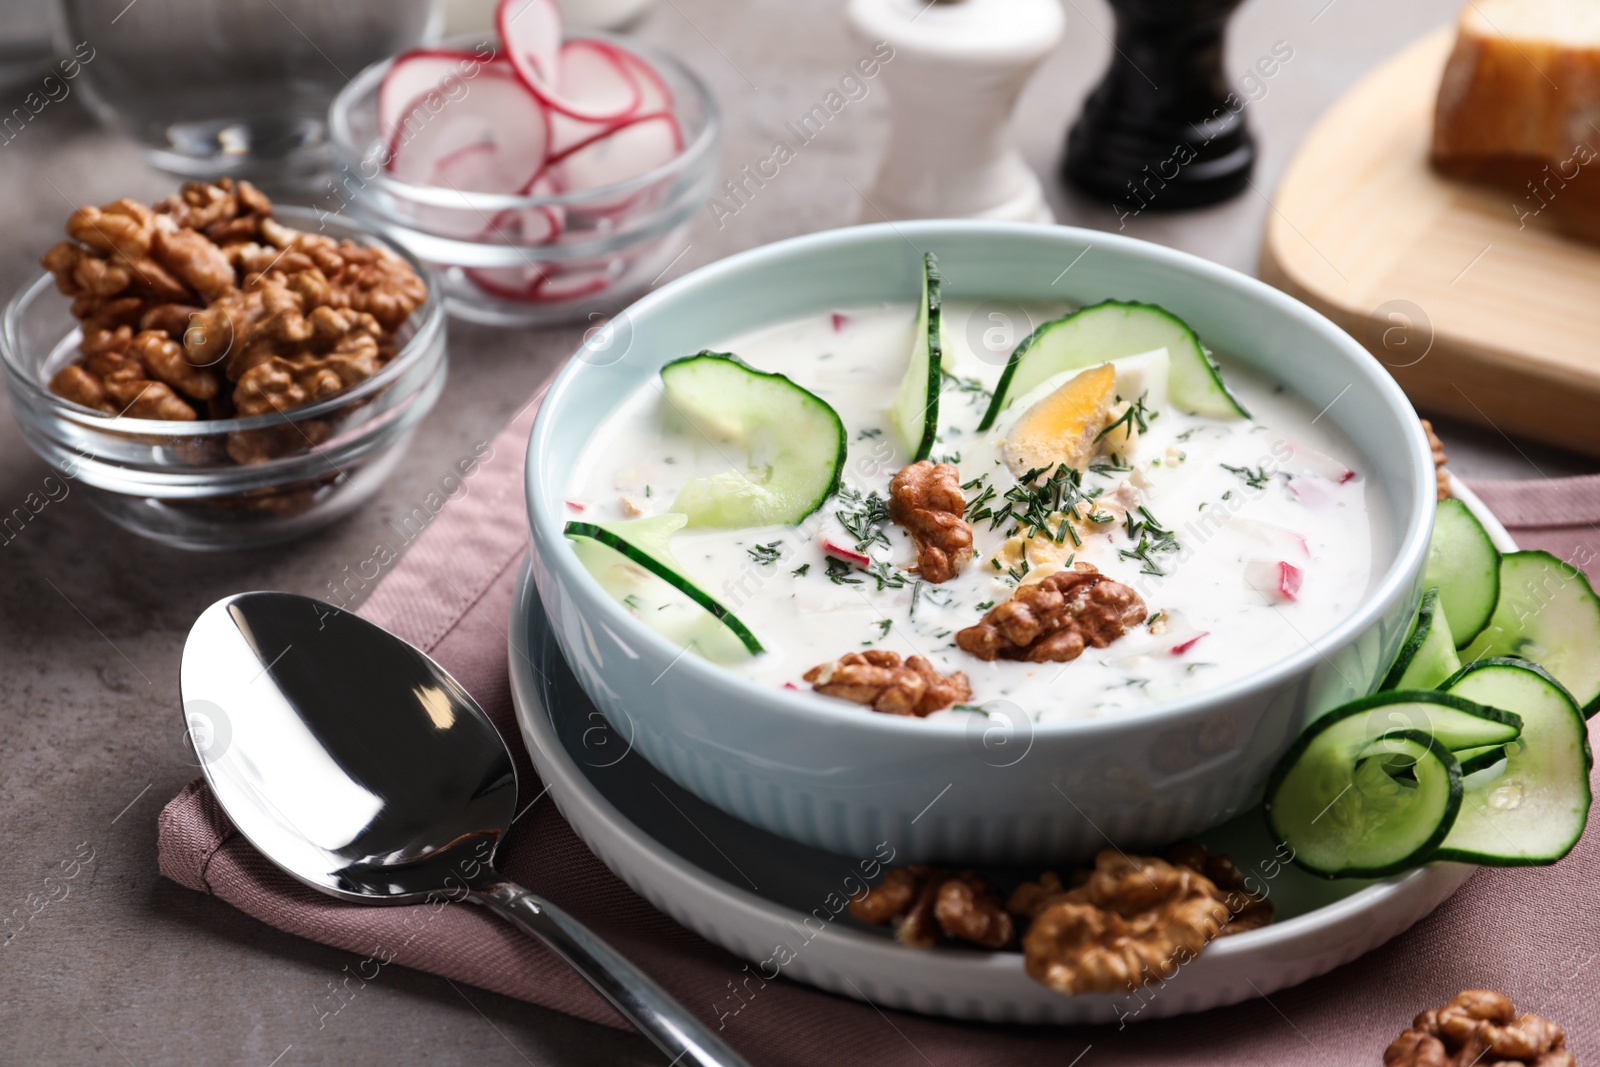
(1183, 646)
(1278, 581)
(595, 78)
(508, 283)
(416, 74)
(532, 28)
(849, 555)
(499, 111)
(578, 79)
(570, 283)
(623, 152)
(567, 132)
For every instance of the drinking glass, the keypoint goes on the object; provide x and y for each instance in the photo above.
(236, 88)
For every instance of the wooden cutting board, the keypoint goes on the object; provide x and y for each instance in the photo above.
(1474, 316)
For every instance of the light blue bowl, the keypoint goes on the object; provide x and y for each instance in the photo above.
(843, 779)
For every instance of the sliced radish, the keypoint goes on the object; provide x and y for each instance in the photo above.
(849, 555)
(414, 75)
(499, 111)
(578, 79)
(838, 321)
(520, 284)
(531, 28)
(575, 506)
(572, 282)
(1278, 580)
(627, 151)
(1310, 461)
(1183, 646)
(599, 80)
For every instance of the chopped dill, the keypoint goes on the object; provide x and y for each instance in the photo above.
(975, 393)
(800, 571)
(766, 554)
(1153, 539)
(1255, 478)
(841, 573)
(886, 576)
(864, 517)
(1039, 495)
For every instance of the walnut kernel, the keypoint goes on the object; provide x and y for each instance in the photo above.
(879, 679)
(1055, 618)
(926, 499)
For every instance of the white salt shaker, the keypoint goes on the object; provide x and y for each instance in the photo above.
(957, 70)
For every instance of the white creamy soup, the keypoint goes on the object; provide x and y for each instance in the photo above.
(1250, 537)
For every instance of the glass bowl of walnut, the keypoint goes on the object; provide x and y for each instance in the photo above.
(219, 372)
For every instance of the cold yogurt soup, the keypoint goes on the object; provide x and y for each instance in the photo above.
(1243, 538)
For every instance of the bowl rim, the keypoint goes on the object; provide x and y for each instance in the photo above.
(1411, 543)
(427, 321)
(365, 83)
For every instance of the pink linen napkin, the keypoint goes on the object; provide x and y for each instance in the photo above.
(1533, 934)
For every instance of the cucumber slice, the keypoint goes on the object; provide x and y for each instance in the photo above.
(1428, 656)
(1546, 612)
(644, 542)
(915, 411)
(1534, 810)
(1464, 564)
(794, 440)
(1111, 330)
(1346, 813)
(1338, 797)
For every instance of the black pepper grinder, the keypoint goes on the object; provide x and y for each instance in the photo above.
(1163, 130)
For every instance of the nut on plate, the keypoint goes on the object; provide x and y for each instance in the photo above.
(879, 679)
(203, 306)
(1133, 919)
(926, 499)
(1110, 928)
(927, 905)
(1055, 618)
(1479, 1026)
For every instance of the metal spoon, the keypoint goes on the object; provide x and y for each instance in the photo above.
(355, 763)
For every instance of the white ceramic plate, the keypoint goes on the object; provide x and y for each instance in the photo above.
(752, 892)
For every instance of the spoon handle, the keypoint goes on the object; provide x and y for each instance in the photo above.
(651, 1009)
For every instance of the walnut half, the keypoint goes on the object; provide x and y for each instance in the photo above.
(926, 499)
(1055, 618)
(1135, 918)
(879, 679)
(1479, 1026)
(927, 905)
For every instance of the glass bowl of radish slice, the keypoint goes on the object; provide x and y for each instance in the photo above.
(545, 178)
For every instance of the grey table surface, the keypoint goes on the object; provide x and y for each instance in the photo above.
(131, 968)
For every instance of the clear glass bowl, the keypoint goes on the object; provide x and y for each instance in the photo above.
(174, 481)
(614, 240)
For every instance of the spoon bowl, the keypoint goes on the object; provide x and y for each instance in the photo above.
(359, 766)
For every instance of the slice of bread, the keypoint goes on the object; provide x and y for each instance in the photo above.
(1519, 107)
